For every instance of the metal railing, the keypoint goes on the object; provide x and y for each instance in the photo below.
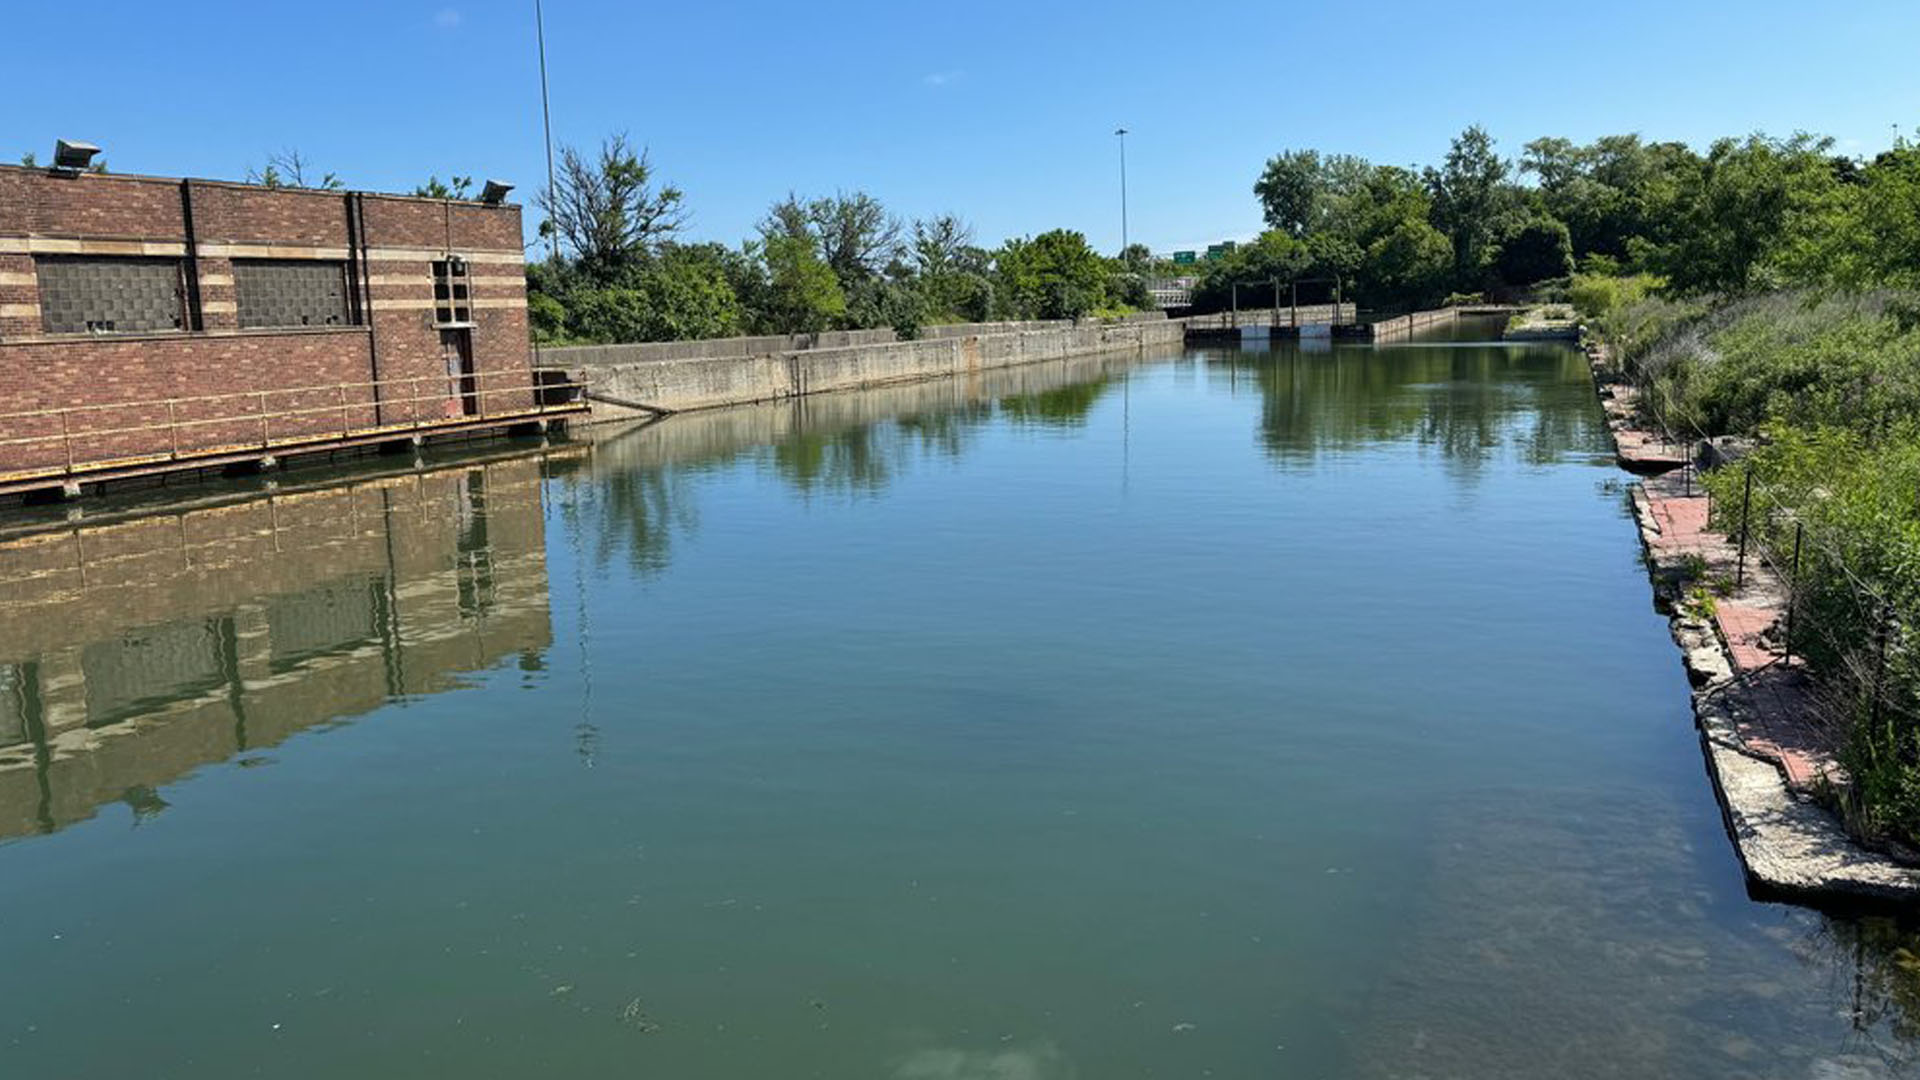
(1283, 317)
(80, 438)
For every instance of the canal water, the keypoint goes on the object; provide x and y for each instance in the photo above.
(1225, 713)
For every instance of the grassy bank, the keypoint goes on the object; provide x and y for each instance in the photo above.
(1826, 390)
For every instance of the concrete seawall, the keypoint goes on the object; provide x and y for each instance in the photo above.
(619, 390)
(1405, 326)
(572, 356)
(719, 434)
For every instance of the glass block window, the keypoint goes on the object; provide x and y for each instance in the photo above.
(89, 295)
(277, 293)
(452, 294)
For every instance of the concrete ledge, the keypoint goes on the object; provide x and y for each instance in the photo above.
(678, 385)
(1790, 845)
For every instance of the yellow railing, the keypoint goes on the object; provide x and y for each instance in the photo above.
(318, 412)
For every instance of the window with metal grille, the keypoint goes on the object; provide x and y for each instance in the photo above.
(290, 292)
(110, 295)
(452, 292)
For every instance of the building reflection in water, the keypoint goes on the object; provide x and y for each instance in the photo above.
(134, 651)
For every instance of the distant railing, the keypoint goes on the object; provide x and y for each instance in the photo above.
(88, 438)
(1281, 317)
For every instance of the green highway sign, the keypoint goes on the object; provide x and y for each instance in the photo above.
(1184, 258)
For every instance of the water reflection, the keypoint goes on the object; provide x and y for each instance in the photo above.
(1468, 403)
(135, 650)
(1065, 406)
(636, 494)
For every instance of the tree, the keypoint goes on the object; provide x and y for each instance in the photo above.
(1410, 265)
(547, 317)
(1298, 188)
(1467, 193)
(289, 168)
(853, 234)
(951, 271)
(1863, 231)
(1289, 190)
(940, 243)
(897, 305)
(1252, 270)
(607, 209)
(1734, 211)
(688, 295)
(1055, 275)
(1556, 161)
(457, 187)
(1539, 249)
(802, 294)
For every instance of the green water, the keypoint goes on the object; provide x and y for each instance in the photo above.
(1221, 714)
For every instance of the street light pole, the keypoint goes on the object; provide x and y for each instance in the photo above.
(1122, 132)
(546, 119)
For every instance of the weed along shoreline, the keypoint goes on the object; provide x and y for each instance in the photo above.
(1772, 769)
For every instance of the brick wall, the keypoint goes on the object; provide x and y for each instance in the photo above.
(215, 371)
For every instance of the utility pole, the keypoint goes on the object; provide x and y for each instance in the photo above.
(1122, 132)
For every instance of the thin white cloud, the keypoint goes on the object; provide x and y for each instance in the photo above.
(448, 18)
(943, 78)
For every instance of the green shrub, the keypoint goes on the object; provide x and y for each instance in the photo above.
(1597, 296)
(1856, 499)
(1784, 358)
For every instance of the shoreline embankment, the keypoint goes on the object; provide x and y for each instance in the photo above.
(1772, 766)
(626, 381)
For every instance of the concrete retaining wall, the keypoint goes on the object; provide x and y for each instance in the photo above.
(718, 434)
(1405, 326)
(699, 383)
(571, 356)
(577, 356)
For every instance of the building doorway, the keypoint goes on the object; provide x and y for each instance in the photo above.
(463, 391)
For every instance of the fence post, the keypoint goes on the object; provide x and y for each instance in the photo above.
(263, 419)
(66, 439)
(1793, 587)
(1746, 507)
(173, 433)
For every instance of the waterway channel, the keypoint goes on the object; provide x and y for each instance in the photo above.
(1220, 713)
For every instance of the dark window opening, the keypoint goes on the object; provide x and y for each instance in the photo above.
(452, 292)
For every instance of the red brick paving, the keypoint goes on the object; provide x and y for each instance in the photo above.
(1742, 627)
(1771, 698)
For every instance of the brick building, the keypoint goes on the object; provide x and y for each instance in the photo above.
(149, 324)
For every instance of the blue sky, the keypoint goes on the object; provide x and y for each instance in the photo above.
(1001, 112)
